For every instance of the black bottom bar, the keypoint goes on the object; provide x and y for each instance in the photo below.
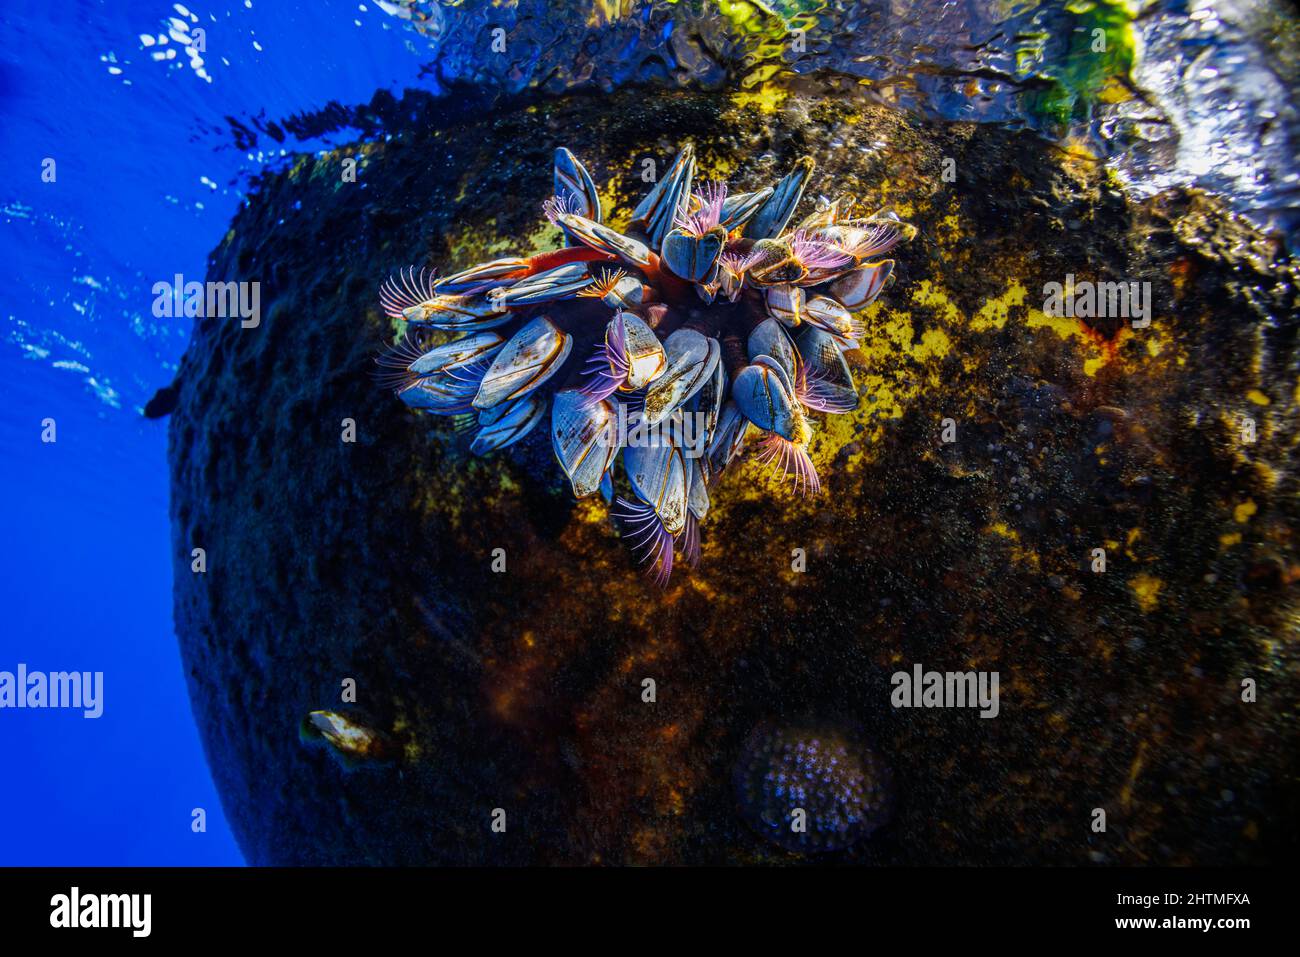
(329, 906)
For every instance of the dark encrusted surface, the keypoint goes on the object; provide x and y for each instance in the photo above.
(522, 691)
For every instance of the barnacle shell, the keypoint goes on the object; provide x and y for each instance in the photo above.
(572, 181)
(859, 288)
(443, 393)
(532, 356)
(826, 313)
(771, 219)
(766, 398)
(645, 353)
(738, 208)
(728, 437)
(604, 239)
(515, 421)
(786, 303)
(658, 474)
(828, 381)
(691, 360)
(562, 282)
(655, 213)
(475, 347)
(769, 338)
(694, 258)
(481, 278)
(583, 436)
(461, 313)
(351, 740)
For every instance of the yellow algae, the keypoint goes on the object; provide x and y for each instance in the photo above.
(1267, 474)
(486, 242)
(1227, 541)
(934, 344)
(1158, 340)
(1126, 793)
(1078, 159)
(884, 379)
(884, 400)
(1019, 555)
(948, 230)
(766, 99)
(1026, 556)
(894, 194)
(760, 76)
(720, 167)
(1114, 92)
(1244, 511)
(589, 512)
(755, 481)
(1146, 589)
(701, 586)
(934, 297)
(1064, 326)
(612, 197)
(1257, 397)
(994, 313)
(832, 434)
(1068, 328)
(604, 12)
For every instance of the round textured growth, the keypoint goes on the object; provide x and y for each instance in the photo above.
(838, 783)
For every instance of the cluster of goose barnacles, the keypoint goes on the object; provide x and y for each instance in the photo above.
(707, 309)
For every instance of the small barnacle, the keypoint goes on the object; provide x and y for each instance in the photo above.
(350, 741)
(647, 308)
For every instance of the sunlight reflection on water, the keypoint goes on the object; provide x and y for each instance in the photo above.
(1173, 92)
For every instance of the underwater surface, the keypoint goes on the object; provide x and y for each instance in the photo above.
(133, 156)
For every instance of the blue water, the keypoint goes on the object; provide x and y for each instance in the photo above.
(146, 178)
